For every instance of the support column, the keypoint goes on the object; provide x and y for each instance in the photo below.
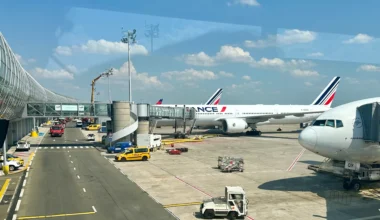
(4, 124)
(121, 117)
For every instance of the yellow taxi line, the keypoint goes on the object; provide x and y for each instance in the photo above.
(56, 215)
(4, 188)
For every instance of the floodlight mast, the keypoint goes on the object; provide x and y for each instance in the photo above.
(152, 31)
(129, 38)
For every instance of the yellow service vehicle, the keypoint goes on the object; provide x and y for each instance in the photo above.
(93, 127)
(139, 153)
(11, 157)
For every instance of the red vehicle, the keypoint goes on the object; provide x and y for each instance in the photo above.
(56, 131)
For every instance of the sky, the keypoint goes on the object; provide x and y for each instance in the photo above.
(259, 52)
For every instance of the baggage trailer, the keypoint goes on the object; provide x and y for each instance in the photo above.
(229, 164)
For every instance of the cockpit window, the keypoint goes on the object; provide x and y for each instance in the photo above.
(330, 123)
(339, 123)
(319, 123)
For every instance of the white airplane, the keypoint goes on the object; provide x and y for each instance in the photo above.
(237, 118)
(349, 136)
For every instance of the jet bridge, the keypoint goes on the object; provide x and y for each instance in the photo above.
(370, 116)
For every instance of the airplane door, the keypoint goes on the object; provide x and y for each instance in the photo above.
(237, 113)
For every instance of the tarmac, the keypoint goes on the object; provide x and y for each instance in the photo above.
(276, 179)
(71, 180)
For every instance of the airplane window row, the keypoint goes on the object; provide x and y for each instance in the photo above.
(258, 113)
(329, 123)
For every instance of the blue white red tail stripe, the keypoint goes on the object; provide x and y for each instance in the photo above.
(159, 102)
(215, 98)
(327, 95)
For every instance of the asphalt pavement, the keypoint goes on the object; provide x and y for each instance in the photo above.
(81, 184)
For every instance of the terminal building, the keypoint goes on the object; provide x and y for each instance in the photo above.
(17, 88)
(25, 104)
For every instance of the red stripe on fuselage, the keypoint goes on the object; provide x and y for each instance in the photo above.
(216, 102)
(223, 109)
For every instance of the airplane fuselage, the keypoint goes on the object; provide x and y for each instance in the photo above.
(344, 143)
(210, 115)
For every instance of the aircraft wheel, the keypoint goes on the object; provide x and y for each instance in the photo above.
(356, 186)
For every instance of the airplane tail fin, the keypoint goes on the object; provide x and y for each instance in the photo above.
(326, 97)
(215, 98)
(159, 102)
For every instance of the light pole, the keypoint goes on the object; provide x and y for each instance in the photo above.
(108, 74)
(129, 38)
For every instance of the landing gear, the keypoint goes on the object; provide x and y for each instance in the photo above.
(253, 132)
(279, 129)
(351, 184)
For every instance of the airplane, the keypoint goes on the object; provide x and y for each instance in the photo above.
(348, 135)
(159, 102)
(237, 118)
(213, 100)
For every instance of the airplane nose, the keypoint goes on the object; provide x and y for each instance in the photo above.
(308, 138)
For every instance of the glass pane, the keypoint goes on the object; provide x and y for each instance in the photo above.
(330, 123)
(339, 123)
(319, 123)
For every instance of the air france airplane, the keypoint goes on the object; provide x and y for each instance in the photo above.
(237, 118)
(349, 136)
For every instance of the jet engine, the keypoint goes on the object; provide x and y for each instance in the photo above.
(234, 125)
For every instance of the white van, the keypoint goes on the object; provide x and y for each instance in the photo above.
(151, 141)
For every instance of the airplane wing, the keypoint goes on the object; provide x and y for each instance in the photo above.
(276, 116)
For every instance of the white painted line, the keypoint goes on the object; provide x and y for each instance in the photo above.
(93, 207)
(78, 176)
(122, 172)
(64, 147)
(81, 146)
(86, 146)
(70, 147)
(69, 155)
(24, 183)
(75, 147)
(71, 161)
(75, 168)
(27, 174)
(84, 190)
(30, 164)
(39, 147)
(28, 169)
(21, 193)
(51, 147)
(18, 205)
(92, 146)
(14, 217)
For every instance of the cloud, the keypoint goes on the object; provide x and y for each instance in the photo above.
(293, 36)
(52, 74)
(63, 50)
(72, 68)
(317, 54)
(139, 80)
(369, 68)
(233, 54)
(190, 75)
(304, 73)
(200, 59)
(225, 74)
(308, 84)
(351, 80)
(359, 39)
(102, 47)
(23, 61)
(251, 85)
(244, 2)
(226, 53)
(246, 77)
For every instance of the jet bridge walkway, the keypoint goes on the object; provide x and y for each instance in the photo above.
(97, 110)
(370, 121)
